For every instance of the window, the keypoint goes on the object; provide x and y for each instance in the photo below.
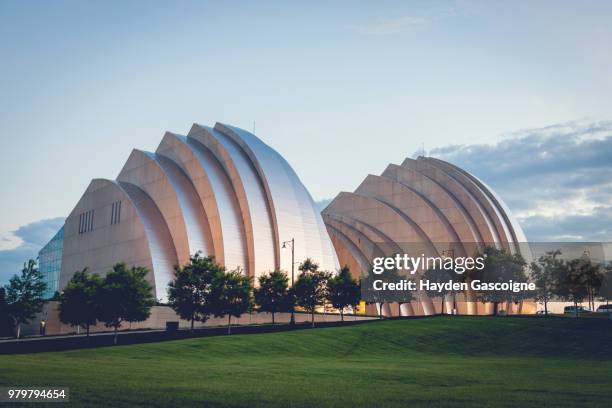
(86, 220)
(116, 212)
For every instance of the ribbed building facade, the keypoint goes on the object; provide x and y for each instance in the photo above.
(223, 192)
(423, 206)
(218, 190)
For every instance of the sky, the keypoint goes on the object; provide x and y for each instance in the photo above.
(516, 92)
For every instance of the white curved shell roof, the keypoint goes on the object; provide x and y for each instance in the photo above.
(219, 190)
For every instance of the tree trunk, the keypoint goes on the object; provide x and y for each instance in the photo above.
(495, 305)
(312, 317)
(192, 320)
(443, 303)
(229, 324)
(273, 318)
(87, 330)
(575, 308)
(341, 315)
(588, 297)
(545, 306)
(115, 336)
(18, 330)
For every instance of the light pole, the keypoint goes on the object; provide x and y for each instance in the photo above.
(292, 243)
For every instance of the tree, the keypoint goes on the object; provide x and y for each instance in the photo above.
(605, 291)
(442, 276)
(572, 283)
(230, 296)
(189, 292)
(593, 279)
(6, 321)
(380, 297)
(545, 274)
(308, 266)
(582, 280)
(499, 267)
(78, 305)
(272, 295)
(310, 289)
(125, 295)
(343, 291)
(24, 295)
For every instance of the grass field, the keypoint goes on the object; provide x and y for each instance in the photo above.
(436, 362)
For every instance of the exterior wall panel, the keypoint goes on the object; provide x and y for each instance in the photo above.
(224, 193)
(422, 206)
(141, 238)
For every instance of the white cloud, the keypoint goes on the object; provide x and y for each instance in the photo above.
(24, 243)
(392, 25)
(555, 179)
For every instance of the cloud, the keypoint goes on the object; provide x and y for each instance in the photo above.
(556, 179)
(414, 21)
(392, 25)
(29, 239)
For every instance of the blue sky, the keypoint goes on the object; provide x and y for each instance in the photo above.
(341, 89)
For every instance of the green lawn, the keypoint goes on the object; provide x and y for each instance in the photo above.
(436, 362)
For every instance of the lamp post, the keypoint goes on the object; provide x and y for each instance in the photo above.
(292, 243)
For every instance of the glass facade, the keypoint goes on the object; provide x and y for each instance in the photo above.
(50, 262)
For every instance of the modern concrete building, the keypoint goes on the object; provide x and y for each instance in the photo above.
(219, 190)
(224, 192)
(423, 206)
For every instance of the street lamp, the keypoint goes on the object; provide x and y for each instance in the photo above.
(291, 242)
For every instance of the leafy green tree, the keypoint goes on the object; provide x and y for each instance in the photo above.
(343, 291)
(308, 266)
(273, 295)
(24, 294)
(6, 321)
(593, 279)
(500, 266)
(310, 289)
(124, 296)
(583, 280)
(78, 305)
(189, 292)
(442, 276)
(605, 292)
(571, 283)
(380, 297)
(545, 274)
(230, 296)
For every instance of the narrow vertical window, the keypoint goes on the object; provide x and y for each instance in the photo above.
(116, 212)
